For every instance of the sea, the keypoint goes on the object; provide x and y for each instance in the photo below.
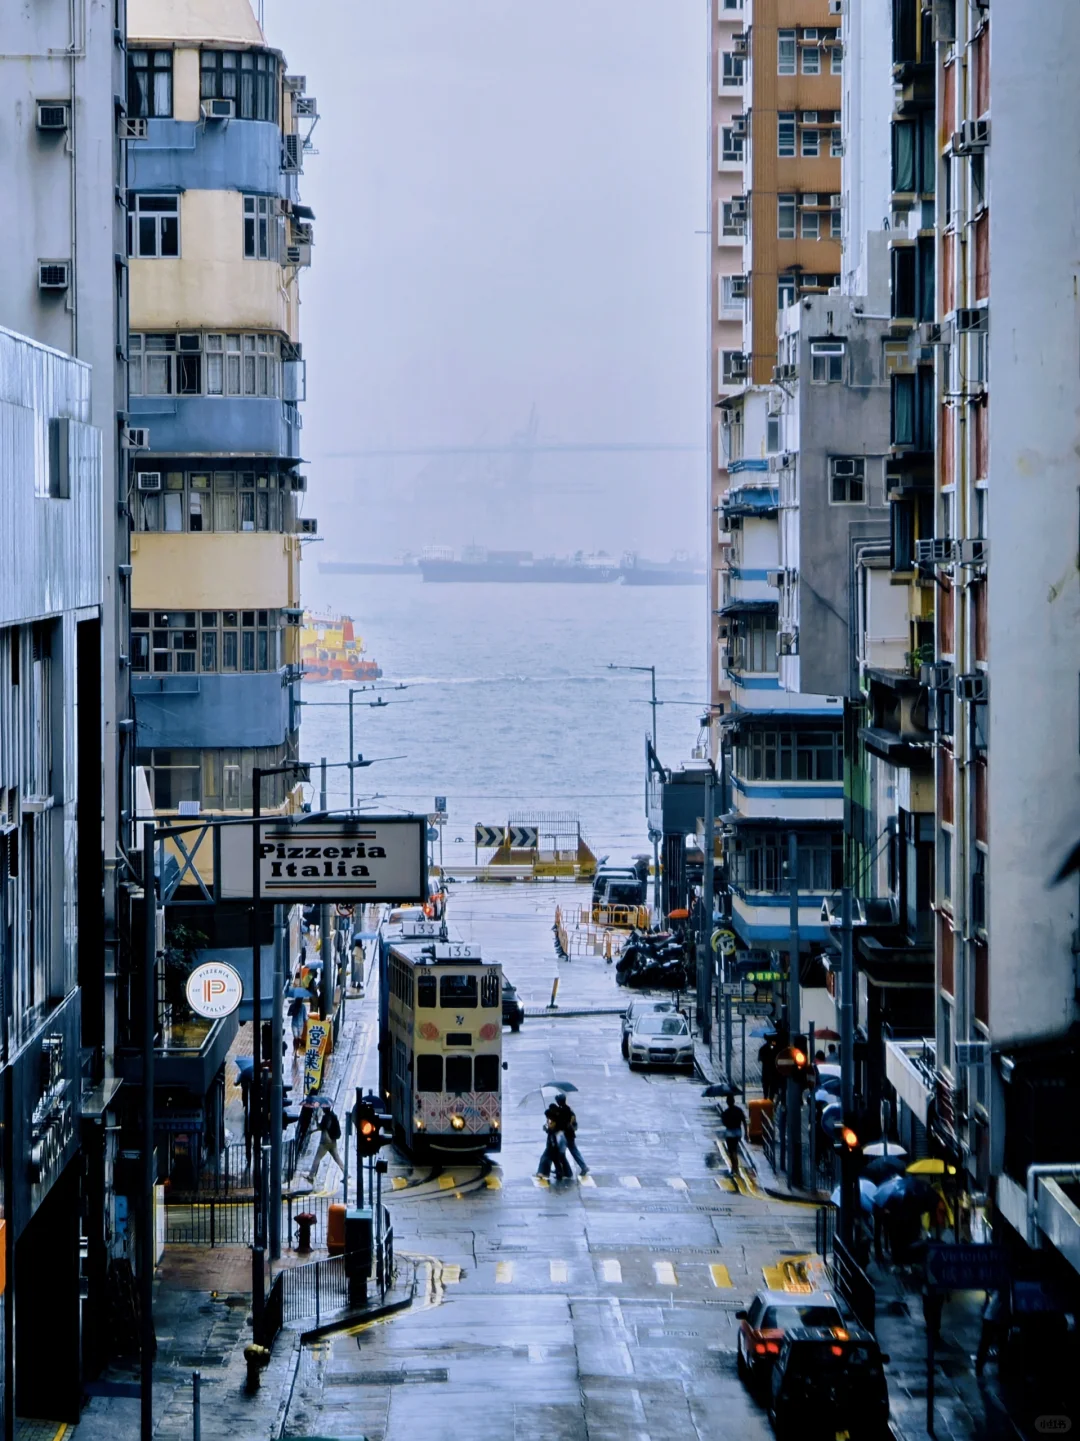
(509, 708)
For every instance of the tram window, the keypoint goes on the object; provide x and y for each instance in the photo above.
(489, 990)
(425, 990)
(487, 1073)
(429, 1073)
(459, 1038)
(459, 1073)
(457, 991)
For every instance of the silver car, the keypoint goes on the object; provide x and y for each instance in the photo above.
(641, 1006)
(661, 1040)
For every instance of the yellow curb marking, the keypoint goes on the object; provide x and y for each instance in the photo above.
(398, 1182)
(446, 1183)
(721, 1276)
(586, 1181)
(493, 1183)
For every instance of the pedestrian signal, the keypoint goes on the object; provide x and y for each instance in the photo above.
(846, 1137)
(793, 1062)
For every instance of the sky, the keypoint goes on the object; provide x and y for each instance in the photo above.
(510, 199)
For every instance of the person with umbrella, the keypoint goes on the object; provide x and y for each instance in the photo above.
(297, 1013)
(566, 1124)
(329, 1129)
(553, 1152)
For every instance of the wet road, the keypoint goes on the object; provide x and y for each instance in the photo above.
(601, 1308)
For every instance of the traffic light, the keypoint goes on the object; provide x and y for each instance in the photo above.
(372, 1128)
(846, 1137)
(793, 1062)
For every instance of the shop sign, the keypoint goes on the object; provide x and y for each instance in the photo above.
(328, 860)
(214, 989)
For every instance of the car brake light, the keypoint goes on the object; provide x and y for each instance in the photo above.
(837, 1350)
(772, 1348)
(759, 1347)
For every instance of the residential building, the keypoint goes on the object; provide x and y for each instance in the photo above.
(218, 239)
(64, 285)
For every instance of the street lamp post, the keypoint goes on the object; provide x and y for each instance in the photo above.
(353, 691)
(650, 671)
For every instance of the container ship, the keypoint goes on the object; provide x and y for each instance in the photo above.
(331, 650)
(679, 570)
(438, 563)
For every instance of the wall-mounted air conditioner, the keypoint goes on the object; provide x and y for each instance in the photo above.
(972, 138)
(54, 274)
(975, 319)
(307, 107)
(307, 525)
(787, 642)
(218, 109)
(149, 480)
(775, 578)
(298, 483)
(292, 153)
(933, 552)
(295, 84)
(740, 126)
(973, 687)
(133, 128)
(738, 207)
(52, 115)
(294, 614)
(938, 675)
(298, 255)
(136, 437)
(973, 551)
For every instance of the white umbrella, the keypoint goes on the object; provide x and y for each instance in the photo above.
(883, 1148)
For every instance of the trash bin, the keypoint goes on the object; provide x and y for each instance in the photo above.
(335, 1229)
(757, 1109)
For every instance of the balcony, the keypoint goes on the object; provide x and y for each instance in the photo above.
(207, 711)
(911, 1070)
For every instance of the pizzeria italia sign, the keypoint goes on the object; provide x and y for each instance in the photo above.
(327, 859)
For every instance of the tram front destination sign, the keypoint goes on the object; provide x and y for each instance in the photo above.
(328, 858)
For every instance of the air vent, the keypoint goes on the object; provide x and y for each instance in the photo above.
(54, 274)
(52, 115)
(149, 480)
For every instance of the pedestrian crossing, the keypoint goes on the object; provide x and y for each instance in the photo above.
(634, 1272)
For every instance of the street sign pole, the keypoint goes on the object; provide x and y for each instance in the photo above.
(146, 1238)
(849, 1184)
(794, 1093)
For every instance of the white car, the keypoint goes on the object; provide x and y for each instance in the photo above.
(640, 1006)
(662, 1039)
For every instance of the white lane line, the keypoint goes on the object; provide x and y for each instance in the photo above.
(610, 1270)
(665, 1273)
(630, 1182)
(504, 1272)
(677, 1183)
(559, 1270)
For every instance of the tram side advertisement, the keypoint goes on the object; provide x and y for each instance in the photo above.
(328, 859)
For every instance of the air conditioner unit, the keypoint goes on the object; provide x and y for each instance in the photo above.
(938, 675)
(787, 643)
(190, 343)
(307, 107)
(738, 207)
(133, 128)
(974, 551)
(836, 7)
(218, 109)
(809, 201)
(785, 460)
(294, 614)
(298, 255)
(295, 84)
(972, 138)
(739, 366)
(775, 578)
(136, 437)
(52, 115)
(975, 319)
(741, 43)
(836, 202)
(188, 808)
(54, 274)
(739, 126)
(307, 526)
(972, 1053)
(292, 153)
(974, 687)
(149, 480)
(929, 333)
(739, 288)
(298, 483)
(933, 552)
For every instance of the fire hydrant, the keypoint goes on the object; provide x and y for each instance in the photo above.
(256, 1357)
(304, 1222)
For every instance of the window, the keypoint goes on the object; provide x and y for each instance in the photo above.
(945, 864)
(785, 291)
(183, 642)
(733, 4)
(260, 228)
(836, 59)
(790, 756)
(489, 990)
(457, 991)
(154, 226)
(487, 1073)
(847, 480)
(733, 366)
(731, 144)
(835, 224)
(760, 863)
(785, 217)
(459, 1074)
(733, 68)
(428, 1070)
(785, 52)
(772, 434)
(836, 143)
(811, 138)
(201, 364)
(731, 224)
(826, 361)
(811, 58)
(785, 134)
(149, 83)
(946, 1015)
(753, 641)
(810, 225)
(249, 78)
(426, 990)
(732, 290)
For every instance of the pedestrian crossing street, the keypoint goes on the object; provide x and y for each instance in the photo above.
(634, 1270)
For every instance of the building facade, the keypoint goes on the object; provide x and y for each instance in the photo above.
(218, 239)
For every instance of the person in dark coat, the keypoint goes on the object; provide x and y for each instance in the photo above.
(553, 1153)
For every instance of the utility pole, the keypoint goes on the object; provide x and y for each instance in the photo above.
(650, 671)
(146, 1236)
(794, 1092)
(255, 1117)
(327, 981)
(848, 1180)
(705, 961)
(276, 1085)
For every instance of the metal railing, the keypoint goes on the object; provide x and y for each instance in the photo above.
(825, 1231)
(853, 1283)
(213, 1220)
(230, 1169)
(317, 1291)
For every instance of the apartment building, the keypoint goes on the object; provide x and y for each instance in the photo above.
(64, 827)
(218, 239)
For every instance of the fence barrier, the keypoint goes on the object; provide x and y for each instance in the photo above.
(318, 1290)
(852, 1282)
(230, 1170)
(212, 1220)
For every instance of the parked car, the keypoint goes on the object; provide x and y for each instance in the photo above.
(640, 1006)
(770, 1315)
(621, 891)
(829, 1382)
(661, 1039)
(513, 1012)
(607, 873)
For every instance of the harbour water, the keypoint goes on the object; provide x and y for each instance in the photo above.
(510, 706)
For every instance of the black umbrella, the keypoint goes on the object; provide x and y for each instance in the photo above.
(880, 1168)
(906, 1194)
(724, 1089)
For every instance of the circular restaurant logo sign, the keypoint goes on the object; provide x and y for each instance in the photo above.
(214, 990)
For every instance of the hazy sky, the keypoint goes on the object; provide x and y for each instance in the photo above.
(507, 194)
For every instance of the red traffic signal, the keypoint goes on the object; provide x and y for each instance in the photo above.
(794, 1062)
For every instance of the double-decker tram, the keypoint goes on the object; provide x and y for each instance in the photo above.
(440, 1042)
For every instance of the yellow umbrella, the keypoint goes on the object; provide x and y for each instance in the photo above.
(930, 1166)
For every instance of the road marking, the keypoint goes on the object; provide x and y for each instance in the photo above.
(726, 1184)
(607, 1069)
(451, 1274)
(504, 1272)
(665, 1273)
(493, 1183)
(446, 1183)
(611, 1271)
(774, 1278)
(586, 1180)
(677, 1183)
(721, 1277)
(399, 1182)
(559, 1270)
(541, 1181)
(630, 1182)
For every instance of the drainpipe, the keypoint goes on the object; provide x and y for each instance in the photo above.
(1048, 1169)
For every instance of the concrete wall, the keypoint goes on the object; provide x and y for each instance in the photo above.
(222, 22)
(215, 572)
(1034, 599)
(867, 111)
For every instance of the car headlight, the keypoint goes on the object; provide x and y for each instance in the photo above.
(457, 1122)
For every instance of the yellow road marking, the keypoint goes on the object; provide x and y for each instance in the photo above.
(630, 1182)
(726, 1184)
(541, 1181)
(774, 1277)
(721, 1277)
(399, 1182)
(677, 1183)
(559, 1270)
(611, 1271)
(665, 1273)
(493, 1183)
(504, 1272)
(586, 1180)
(451, 1274)
(446, 1183)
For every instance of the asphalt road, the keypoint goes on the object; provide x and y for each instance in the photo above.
(602, 1308)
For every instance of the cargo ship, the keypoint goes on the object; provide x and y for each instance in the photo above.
(331, 650)
(438, 563)
(679, 570)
